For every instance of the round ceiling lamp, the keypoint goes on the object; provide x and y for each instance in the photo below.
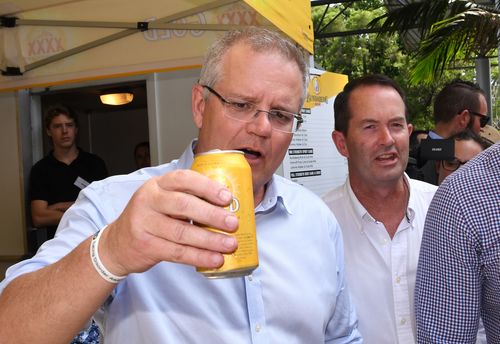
(115, 96)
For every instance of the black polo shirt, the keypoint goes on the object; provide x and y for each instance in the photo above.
(53, 181)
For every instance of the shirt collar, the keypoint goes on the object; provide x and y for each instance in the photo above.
(434, 136)
(274, 196)
(360, 210)
(412, 202)
(78, 157)
(186, 159)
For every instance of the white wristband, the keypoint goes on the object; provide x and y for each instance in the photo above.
(96, 261)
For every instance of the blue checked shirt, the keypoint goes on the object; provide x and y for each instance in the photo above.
(458, 277)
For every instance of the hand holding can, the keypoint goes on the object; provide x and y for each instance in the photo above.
(231, 169)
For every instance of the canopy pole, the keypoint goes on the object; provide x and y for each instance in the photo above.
(13, 21)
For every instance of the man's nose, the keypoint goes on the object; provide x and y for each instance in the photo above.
(385, 136)
(261, 123)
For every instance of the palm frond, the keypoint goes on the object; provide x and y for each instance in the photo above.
(433, 59)
(419, 15)
(471, 33)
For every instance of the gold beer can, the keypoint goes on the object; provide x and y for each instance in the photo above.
(229, 167)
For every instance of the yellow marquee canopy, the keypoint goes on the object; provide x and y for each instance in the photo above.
(47, 42)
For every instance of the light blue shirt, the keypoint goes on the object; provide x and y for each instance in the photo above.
(434, 136)
(296, 295)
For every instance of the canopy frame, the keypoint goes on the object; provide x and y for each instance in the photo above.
(130, 28)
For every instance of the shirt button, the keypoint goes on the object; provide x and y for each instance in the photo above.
(403, 321)
(257, 328)
(398, 279)
(250, 278)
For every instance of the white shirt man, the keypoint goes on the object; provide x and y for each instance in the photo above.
(380, 210)
(380, 271)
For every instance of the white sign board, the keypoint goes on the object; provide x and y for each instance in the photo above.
(312, 159)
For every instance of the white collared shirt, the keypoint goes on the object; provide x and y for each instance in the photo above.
(381, 272)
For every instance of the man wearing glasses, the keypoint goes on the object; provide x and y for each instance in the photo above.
(460, 105)
(249, 97)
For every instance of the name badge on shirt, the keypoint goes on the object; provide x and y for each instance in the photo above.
(81, 183)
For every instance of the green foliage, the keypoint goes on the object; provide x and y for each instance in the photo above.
(449, 30)
(362, 54)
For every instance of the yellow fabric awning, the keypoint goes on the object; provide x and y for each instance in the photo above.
(59, 41)
(293, 17)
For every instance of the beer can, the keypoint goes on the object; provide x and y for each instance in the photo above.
(229, 167)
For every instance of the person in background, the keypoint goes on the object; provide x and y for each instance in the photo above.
(141, 155)
(460, 105)
(458, 280)
(145, 229)
(416, 137)
(467, 146)
(412, 169)
(56, 180)
(380, 210)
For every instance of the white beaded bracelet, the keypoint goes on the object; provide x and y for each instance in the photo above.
(96, 261)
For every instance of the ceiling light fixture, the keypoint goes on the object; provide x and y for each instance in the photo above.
(120, 96)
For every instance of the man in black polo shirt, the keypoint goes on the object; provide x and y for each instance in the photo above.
(56, 180)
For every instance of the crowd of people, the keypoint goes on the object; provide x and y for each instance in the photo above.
(383, 258)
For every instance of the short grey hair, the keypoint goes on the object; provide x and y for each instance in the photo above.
(259, 40)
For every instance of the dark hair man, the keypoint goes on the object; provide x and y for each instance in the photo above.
(381, 211)
(460, 105)
(56, 180)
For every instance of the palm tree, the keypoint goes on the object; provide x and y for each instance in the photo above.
(450, 30)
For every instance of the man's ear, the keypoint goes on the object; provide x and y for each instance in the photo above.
(340, 142)
(410, 129)
(463, 119)
(197, 105)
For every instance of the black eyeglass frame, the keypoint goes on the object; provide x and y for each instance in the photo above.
(298, 117)
(483, 119)
(455, 160)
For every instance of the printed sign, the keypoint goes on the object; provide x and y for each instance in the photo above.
(312, 159)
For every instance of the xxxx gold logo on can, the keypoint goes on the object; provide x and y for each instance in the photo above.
(231, 169)
(234, 206)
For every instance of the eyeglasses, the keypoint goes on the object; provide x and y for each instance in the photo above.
(452, 165)
(483, 119)
(287, 122)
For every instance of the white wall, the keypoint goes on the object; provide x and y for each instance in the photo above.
(12, 233)
(171, 126)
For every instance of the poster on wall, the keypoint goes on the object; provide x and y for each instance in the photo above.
(312, 159)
